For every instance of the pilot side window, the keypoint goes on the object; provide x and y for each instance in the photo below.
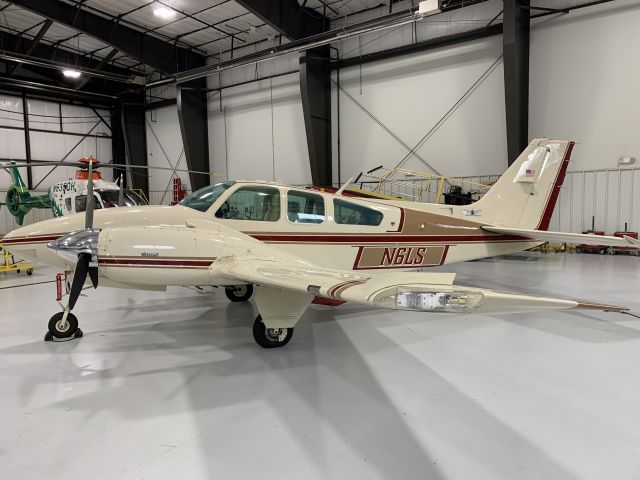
(81, 203)
(348, 213)
(67, 203)
(305, 207)
(261, 204)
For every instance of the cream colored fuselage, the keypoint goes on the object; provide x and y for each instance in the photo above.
(410, 236)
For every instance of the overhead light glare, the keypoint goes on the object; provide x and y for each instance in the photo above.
(69, 73)
(164, 12)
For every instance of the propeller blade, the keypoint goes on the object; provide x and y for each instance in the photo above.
(88, 214)
(93, 275)
(79, 277)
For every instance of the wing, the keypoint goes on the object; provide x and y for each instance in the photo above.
(567, 237)
(417, 291)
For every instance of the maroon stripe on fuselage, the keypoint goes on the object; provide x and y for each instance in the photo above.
(359, 239)
(153, 262)
(35, 239)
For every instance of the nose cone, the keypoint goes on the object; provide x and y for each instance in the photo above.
(75, 243)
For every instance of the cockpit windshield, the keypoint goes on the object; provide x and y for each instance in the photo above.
(203, 199)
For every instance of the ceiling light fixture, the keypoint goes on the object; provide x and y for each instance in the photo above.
(164, 12)
(69, 73)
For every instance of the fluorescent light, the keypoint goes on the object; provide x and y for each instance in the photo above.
(164, 12)
(69, 73)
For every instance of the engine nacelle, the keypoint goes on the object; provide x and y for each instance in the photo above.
(166, 255)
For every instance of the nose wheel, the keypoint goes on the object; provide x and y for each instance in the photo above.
(270, 337)
(63, 326)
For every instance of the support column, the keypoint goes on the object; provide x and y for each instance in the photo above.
(315, 87)
(515, 47)
(192, 113)
(134, 132)
(27, 139)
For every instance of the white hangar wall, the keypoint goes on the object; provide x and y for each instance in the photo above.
(256, 129)
(164, 149)
(409, 95)
(584, 86)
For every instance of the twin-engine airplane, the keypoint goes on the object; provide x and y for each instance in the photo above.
(297, 244)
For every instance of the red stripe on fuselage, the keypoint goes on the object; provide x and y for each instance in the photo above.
(153, 262)
(368, 238)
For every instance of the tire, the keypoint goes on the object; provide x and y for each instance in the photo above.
(268, 337)
(239, 293)
(612, 251)
(578, 250)
(69, 331)
(29, 272)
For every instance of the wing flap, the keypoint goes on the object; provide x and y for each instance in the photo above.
(564, 237)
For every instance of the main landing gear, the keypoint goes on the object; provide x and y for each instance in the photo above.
(270, 337)
(239, 293)
(265, 337)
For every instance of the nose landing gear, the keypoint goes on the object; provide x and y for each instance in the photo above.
(63, 326)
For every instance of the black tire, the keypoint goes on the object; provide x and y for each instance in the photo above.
(29, 272)
(270, 337)
(578, 249)
(239, 293)
(69, 331)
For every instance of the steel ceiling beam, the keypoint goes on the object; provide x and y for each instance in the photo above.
(42, 50)
(34, 43)
(152, 51)
(288, 17)
(515, 47)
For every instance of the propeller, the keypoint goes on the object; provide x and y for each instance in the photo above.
(81, 247)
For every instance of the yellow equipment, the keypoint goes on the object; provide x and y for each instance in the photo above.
(10, 264)
(404, 184)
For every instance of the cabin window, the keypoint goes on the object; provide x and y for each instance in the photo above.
(348, 213)
(202, 199)
(305, 207)
(259, 204)
(67, 203)
(81, 203)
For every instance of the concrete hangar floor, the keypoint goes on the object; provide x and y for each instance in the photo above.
(167, 386)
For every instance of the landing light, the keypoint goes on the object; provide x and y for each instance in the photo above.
(416, 298)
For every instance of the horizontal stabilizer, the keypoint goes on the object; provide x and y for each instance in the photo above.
(564, 237)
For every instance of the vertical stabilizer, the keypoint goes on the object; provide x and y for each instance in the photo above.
(526, 195)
